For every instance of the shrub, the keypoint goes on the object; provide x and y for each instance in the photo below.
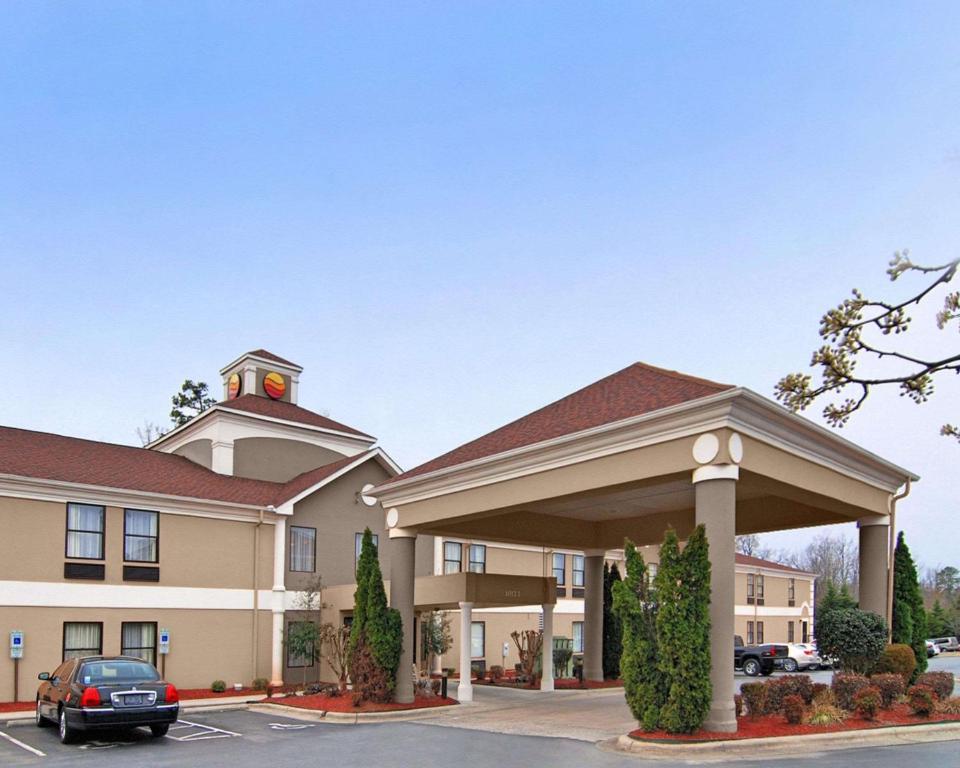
(845, 687)
(940, 682)
(891, 687)
(821, 692)
(867, 702)
(260, 684)
(612, 635)
(370, 680)
(855, 638)
(755, 697)
(218, 686)
(949, 706)
(922, 700)
(738, 704)
(793, 709)
(823, 713)
(909, 618)
(898, 659)
(779, 688)
(496, 672)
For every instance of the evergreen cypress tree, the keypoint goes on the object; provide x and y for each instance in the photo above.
(833, 599)
(909, 617)
(683, 631)
(612, 642)
(938, 621)
(635, 605)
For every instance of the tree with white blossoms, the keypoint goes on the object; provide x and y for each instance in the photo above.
(866, 329)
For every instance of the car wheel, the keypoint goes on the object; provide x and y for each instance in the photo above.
(751, 667)
(41, 721)
(766, 672)
(159, 730)
(790, 665)
(67, 734)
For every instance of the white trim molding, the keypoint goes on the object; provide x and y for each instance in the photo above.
(58, 594)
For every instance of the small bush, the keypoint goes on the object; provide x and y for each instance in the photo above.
(755, 697)
(793, 709)
(922, 700)
(940, 682)
(891, 687)
(799, 685)
(218, 686)
(868, 702)
(845, 687)
(855, 638)
(820, 690)
(496, 672)
(823, 713)
(949, 706)
(897, 659)
(738, 704)
(260, 684)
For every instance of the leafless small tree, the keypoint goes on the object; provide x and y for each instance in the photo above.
(149, 432)
(334, 649)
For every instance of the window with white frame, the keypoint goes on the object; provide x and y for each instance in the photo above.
(578, 574)
(578, 637)
(82, 638)
(139, 638)
(652, 569)
(85, 526)
(478, 639)
(560, 568)
(759, 589)
(303, 549)
(478, 558)
(749, 633)
(141, 536)
(759, 633)
(452, 557)
(790, 632)
(791, 592)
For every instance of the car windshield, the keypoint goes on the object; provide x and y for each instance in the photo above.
(116, 671)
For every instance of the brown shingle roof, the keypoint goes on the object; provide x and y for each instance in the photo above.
(45, 456)
(278, 409)
(635, 390)
(270, 356)
(757, 562)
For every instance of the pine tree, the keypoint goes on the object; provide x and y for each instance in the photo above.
(909, 617)
(833, 599)
(612, 643)
(635, 606)
(683, 631)
(938, 621)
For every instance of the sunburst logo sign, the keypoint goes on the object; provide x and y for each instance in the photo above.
(233, 386)
(274, 385)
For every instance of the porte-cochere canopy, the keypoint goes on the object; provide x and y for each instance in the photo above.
(643, 450)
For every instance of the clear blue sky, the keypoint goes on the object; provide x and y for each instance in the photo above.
(453, 213)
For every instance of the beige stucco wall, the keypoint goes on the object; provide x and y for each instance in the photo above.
(205, 644)
(277, 460)
(198, 451)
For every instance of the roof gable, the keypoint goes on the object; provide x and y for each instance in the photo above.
(278, 409)
(637, 389)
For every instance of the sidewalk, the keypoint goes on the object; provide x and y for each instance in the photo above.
(189, 705)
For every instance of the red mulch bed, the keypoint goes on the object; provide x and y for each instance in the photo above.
(186, 694)
(325, 703)
(776, 725)
(16, 706)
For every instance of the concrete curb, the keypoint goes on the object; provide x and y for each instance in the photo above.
(348, 718)
(784, 746)
(192, 705)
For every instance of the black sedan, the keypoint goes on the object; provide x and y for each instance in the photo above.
(94, 692)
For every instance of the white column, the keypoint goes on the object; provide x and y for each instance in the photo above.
(249, 374)
(438, 555)
(465, 689)
(279, 590)
(874, 553)
(403, 547)
(593, 615)
(221, 457)
(546, 680)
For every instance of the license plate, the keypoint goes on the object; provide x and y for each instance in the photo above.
(134, 700)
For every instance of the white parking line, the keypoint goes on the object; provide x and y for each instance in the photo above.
(204, 732)
(20, 744)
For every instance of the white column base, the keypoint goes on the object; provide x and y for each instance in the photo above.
(276, 665)
(465, 688)
(546, 680)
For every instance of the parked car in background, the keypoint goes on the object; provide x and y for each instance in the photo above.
(94, 692)
(801, 656)
(946, 643)
(932, 649)
(757, 659)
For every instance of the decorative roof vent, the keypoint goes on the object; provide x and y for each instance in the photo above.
(261, 373)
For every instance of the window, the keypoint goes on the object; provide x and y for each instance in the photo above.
(478, 639)
(790, 630)
(578, 637)
(141, 533)
(139, 639)
(358, 545)
(578, 570)
(478, 558)
(750, 589)
(560, 568)
(791, 592)
(294, 660)
(82, 638)
(804, 632)
(759, 589)
(452, 557)
(303, 549)
(85, 523)
(759, 633)
(749, 633)
(651, 573)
